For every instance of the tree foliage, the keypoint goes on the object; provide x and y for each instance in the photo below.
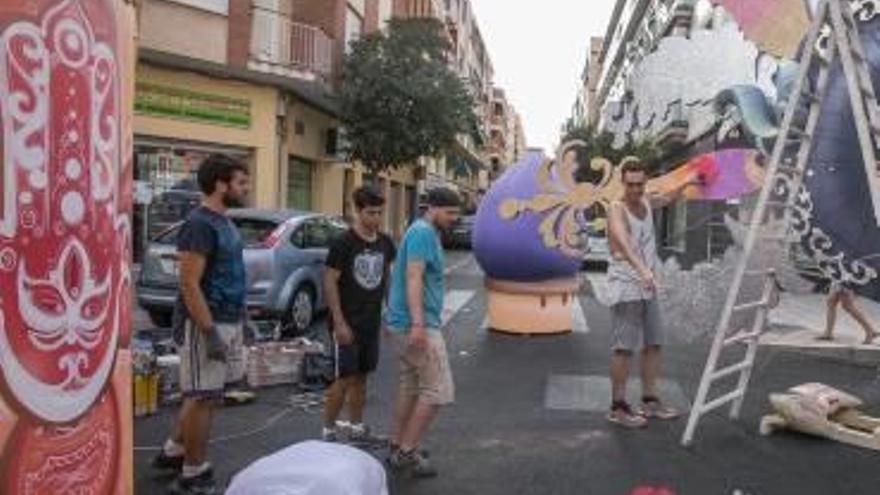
(399, 99)
(600, 145)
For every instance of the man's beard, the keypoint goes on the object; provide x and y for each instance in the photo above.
(230, 201)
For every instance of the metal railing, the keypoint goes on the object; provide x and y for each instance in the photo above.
(278, 40)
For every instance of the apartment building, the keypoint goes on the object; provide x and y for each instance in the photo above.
(585, 111)
(255, 79)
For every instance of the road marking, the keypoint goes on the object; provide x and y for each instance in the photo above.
(579, 319)
(592, 393)
(453, 302)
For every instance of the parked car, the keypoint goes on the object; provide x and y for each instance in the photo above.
(459, 235)
(596, 252)
(284, 259)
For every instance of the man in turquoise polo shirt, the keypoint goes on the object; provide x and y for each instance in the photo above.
(414, 308)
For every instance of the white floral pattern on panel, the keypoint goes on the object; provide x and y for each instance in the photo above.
(831, 261)
(63, 229)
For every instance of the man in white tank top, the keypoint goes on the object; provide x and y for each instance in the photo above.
(635, 315)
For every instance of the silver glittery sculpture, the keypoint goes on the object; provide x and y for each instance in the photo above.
(691, 300)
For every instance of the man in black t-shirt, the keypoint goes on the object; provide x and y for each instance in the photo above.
(354, 286)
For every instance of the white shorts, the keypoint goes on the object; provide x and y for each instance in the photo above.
(204, 378)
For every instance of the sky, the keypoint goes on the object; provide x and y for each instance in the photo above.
(538, 50)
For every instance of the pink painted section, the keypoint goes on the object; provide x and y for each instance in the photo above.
(776, 26)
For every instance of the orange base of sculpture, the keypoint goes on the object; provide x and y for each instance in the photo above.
(539, 308)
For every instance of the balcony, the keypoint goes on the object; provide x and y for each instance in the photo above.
(282, 46)
(425, 8)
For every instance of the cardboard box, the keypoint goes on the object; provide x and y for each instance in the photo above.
(273, 363)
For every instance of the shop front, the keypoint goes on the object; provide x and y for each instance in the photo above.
(180, 119)
(165, 185)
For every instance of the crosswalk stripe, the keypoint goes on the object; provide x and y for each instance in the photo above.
(453, 302)
(579, 323)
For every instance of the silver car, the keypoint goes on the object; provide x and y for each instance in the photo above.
(284, 259)
(595, 248)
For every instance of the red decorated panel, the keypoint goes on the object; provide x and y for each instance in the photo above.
(66, 78)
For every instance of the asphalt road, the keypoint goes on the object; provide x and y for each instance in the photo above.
(529, 419)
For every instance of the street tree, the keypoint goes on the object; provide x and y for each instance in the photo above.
(601, 145)
(399, 99)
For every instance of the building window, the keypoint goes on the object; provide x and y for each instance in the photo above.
(300, 175)
(354, 27)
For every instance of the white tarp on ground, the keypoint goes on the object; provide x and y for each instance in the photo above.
(312, 468)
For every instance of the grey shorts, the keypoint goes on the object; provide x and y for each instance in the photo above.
(203, 378)
(635, 324)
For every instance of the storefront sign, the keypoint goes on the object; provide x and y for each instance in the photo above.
(176, 103)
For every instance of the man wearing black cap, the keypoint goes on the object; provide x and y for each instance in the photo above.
(414, 307)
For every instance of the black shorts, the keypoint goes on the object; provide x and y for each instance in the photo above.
(361, 356)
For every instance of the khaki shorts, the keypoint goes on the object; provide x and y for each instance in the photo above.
(427, 373)
(204, 378)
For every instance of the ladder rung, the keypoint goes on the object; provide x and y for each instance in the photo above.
(775, 237)
(772, 203)
(799, 133)
(731, 370)
(724, 399)
(751, 305)
(790, 170)
(800, 138)
(741, 336)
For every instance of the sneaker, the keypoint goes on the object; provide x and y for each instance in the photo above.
(203, 484)
(414, 463)
(363, 435)
(652, 408)
(329, 435)
(392, 448)
(621, 414)
(167, 462)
